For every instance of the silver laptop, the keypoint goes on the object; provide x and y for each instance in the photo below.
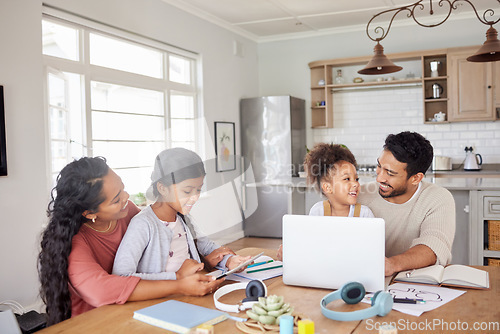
(327, 252)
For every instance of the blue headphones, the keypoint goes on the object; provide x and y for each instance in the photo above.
(352, 293)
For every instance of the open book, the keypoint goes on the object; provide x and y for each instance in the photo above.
(452, 275)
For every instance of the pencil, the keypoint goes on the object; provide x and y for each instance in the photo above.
(259, 263)
(262, 269)
(408, 301)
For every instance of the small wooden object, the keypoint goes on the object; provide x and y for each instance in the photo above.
(494, 234)
(494, 262)
(306, 326)
(205, 329)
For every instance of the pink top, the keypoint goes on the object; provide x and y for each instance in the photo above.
(179, 251)
(90, 265)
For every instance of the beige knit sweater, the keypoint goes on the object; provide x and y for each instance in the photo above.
(426, 219)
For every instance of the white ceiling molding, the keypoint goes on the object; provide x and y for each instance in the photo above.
(211, 18)
(287, 24)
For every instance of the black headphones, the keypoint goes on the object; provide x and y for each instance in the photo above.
(353, 293)
(254, 289)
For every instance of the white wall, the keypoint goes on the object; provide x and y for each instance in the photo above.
(283, 69)
(24, 193)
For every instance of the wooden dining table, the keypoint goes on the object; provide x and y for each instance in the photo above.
(476, 311)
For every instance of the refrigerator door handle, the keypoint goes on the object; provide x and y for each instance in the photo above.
(243, 185)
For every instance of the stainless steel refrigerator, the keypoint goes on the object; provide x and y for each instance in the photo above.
(273, 146)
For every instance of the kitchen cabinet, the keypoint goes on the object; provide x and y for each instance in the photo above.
(433, 103)
(469, 91)
(321, 99)
(323, 83)
(485, 206)
(471, 88)
(460, 249)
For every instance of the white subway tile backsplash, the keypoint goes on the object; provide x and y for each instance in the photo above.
(363, 119)
(434, 136)
(492, 125)
(451, 135)
(476, 126)
(459, 127)
(485, 134)
(468, 135)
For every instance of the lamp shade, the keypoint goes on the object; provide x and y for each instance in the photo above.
(380, 64)
(490, 50)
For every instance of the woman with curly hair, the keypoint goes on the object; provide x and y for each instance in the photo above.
(89, 213)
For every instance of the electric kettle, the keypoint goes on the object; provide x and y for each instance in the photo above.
(437, 90)
(472, 161)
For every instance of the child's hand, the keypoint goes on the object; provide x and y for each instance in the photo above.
(217, 255)
(189, 267)
(235, 261)
(279, 254)
(199, 284)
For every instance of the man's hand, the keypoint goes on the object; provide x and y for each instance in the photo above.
(418, 256)
(279, 254)
(390, 266)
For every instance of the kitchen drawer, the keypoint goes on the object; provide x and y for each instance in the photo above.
(491, 207)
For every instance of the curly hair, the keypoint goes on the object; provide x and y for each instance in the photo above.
(78, 188)
(410, 148)
(321, 160)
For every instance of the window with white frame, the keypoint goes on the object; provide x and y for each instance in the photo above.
(118, 96)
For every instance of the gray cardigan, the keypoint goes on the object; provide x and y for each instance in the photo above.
(144, 249)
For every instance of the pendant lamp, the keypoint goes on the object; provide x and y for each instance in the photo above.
(380, 64)
(490, 51)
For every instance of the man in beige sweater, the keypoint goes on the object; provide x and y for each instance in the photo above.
(419, 216)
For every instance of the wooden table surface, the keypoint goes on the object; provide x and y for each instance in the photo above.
(476, 311)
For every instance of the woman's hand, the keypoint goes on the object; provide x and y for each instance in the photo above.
(235, 261)
(188, 268)
(199, 285)
(217, 255)
(279, 254)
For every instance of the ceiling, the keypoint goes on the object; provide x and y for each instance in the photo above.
(262, 20)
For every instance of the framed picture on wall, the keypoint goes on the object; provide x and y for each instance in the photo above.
(3, 145)
(225, 146)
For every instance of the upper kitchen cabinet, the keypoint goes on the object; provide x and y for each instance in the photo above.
(321, 100)
(435, 87)
(471, 88)
(454, 90)
(329, 76)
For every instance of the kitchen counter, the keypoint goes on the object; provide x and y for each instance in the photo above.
(487, 170)
(466, 183)
(457, 182)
